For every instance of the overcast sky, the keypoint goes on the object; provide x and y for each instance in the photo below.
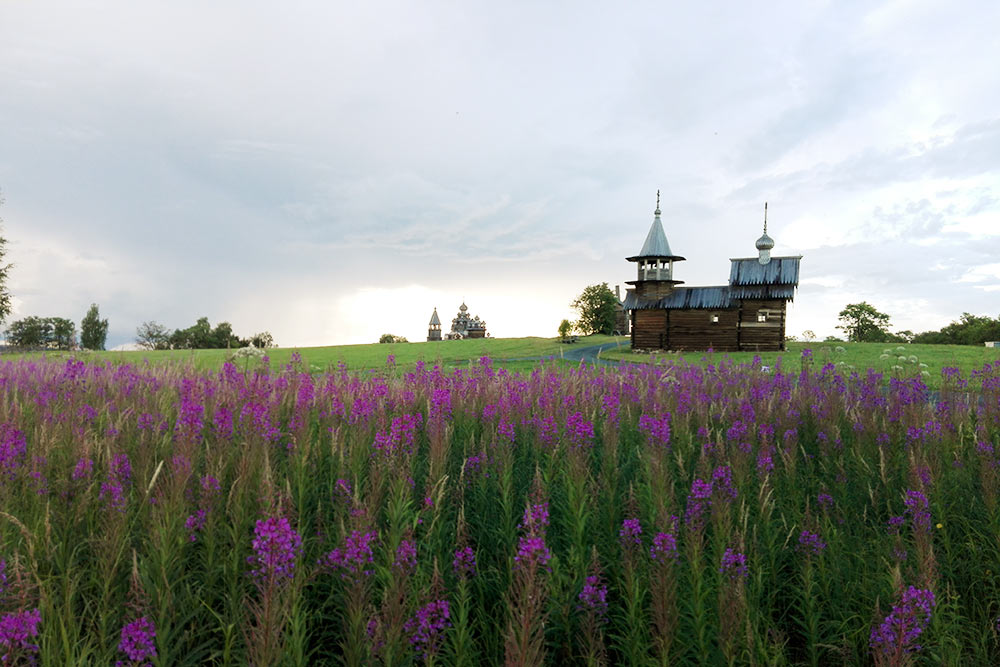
(332, 171)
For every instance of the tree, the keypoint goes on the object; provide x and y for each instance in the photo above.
(32, 331)
(93, 330)
(596, 306)
(390, 338)
(47, 332)
(5, 301)
(63, 333)
(262, 340)
(863, 323)
(564, 329)
(152, 335)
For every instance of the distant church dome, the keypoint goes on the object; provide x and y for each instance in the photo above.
(765, 242)
(463, 307)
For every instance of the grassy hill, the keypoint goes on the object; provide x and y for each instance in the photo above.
(510, 352)
(521, 354)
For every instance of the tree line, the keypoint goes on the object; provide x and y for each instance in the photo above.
(201, 335)
(862, 322)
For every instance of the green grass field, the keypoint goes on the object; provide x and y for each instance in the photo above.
(521, 354)
(859, 356)
(510, 352)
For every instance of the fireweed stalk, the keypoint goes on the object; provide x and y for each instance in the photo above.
(353, 564)
(524, 640)
(276, 549)
(810, 549)
(895, 640)
(460, 646)
(732, 602)
(663, 589)
(592, 606)
(633, 643)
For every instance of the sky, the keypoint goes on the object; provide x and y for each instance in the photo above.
(332, 171)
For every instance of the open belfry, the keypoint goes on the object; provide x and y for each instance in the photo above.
(747, 314)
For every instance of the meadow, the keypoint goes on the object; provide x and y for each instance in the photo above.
(660, 513)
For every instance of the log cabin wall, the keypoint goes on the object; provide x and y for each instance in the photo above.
(762, 325)
(649, 330)
(699, 330)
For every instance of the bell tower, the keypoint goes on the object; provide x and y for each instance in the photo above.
(655, 262)
(434, 328)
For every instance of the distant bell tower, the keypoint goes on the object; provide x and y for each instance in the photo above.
(655, 262)
(765, 243)
(434, 328)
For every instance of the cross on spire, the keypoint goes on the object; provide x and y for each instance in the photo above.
(765, 217)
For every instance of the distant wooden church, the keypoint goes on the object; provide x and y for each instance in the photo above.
(463, 326)
(747, 314)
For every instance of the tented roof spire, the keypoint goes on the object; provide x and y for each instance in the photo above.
(656, 245)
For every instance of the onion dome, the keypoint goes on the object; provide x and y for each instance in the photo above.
(765, 242)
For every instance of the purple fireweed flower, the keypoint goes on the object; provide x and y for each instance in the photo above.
(427, 626)
(505, 429)
(916, 506)
(464, 563)
(722, 480)
(13, 448)
(195, 523)
(825, 500)
(594, 597)
(210, 485)
(894, 524)
(905, 623)
(734, 565)
(698, 501)
(664, 549)
(276, 546)
(343, 490)
(115, 494)
(83, 468)
(536, 518)
(145, 421)
(579, 431)
(810, 543)
(406, 556)
(138, 641)
(657, 430)
(531, 549)
(765, 463)
(630, 533)
(700, 490)
(354, 557)
(121, 468)
(16, 629)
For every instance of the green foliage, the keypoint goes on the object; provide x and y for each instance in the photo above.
(391, 338)
(968, 330)
(5, 302)
(864, 324)
(596, 305)
(201, 336)
(262, 341)
(565, 329)
(93, 330)
(56, 333)
(152, 335)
